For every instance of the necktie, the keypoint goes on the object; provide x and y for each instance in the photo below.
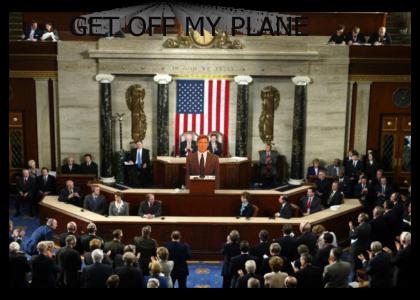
(336, 171)
(308, 205)
(45, 180)
(354, 164)
(70, 167)
(202, 165)
(138, 159)
(26, 182)
(383, 189)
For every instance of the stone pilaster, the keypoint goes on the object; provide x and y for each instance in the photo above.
(162, 117)
(243, 82)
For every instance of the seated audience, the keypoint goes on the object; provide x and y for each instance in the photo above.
(276, 278)
(179, 252)
(338, 37)
(95, 202)
(335, 197)
(336, 274)
(96, 274)
(70, 167)
(355, 37)
(42, 233)
(119, 207)
(381, 37)
(310, 203)
(32, 33)
(71, 194)
(50, 33)
(89, 166)
(44, 268)
(285, 210)
(246, 209)
(150, 208)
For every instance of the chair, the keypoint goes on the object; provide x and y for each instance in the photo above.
(296, 210)
(256, 210)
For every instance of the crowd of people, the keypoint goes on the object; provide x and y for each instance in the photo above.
(356, 37)
(34, 33)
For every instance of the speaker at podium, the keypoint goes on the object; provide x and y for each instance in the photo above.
(202, 185)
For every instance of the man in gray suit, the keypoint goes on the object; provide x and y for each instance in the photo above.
(335, 169)
(202, 162)
(95, 202)
(268, 164)
(336, 274)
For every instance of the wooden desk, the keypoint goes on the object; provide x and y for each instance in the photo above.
(206, 235)
(221, 203)
(80, 180)
(169, 172)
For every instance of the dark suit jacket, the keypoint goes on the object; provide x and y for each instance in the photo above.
(321, 257)
(179, 253)
(95, 275)
(248, 211)
(315, 204)
(64, 194)
(370, 170)
(97, 206)
(362, 234)
(85, 240)
(263, 166)
(337, 39)
(42, 233)
(44, 272)
(336, 199)
(380, 232)
(286, 211)
(145, 156)
(259, 251)
(358, 191)
(130, 277)
(182, 152)
(147, 248)
(337, 274)
(238, 263)
(219, 150)
(242, 282)
(404, 264)
(309, 277)
(37, 34)
(193, 167)
(345, 186)
(359, 38)
(309, 239)
(229, 250)
(29, 188)
(288, 247)
(311, 171)
(18, 268)
(69, 262)
(324, 187)
(62, 239)
(92, 169)
(375, 38)
(380, 271)
(74, 170)
(115, 246)
(355, 171)
(155, 209)
(48, 186)
(388, 191)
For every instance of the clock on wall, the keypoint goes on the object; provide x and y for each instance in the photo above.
(402, 97)
(204, 40)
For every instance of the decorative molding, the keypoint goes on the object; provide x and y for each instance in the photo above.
(301, 80)
(243, 79)
(220, 40)
(381, 78)
(32, 74)
(162, 78)
(104, 78)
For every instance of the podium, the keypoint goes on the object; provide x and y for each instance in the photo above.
(205, 185)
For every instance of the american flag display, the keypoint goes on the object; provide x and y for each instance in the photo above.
(202, 106)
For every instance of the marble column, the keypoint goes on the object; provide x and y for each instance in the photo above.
(243, 82)
(162, 117)
(106, 127)
(299, 123)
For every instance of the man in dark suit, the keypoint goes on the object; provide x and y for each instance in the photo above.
(335, 169)
(335, 197)
(70, 167)
(202, 162)
(355, 37)
(146, 246)
(246, 209)
(238, 262)
(130, 275)
(86, 238)
(89, 166)
(18, 267)
(355, 168)
(263, 247)
(344, 185)
(323, 187)
(250, 267)
(71, 230)
(308, 276)
(338, 37)
(360, 237)
(32, 33)
(69, 262)
(44, 268)
(336, 274)
(314, 169)
(307, 237)
(139, 165)
(26, 187)
(179, 254)
(311, 203)
(45, 184)
(230, 249)
(71, 194)
(285, 210)
(215, 147)
(383, 191)
(96, 274)
(321, 257)
(268, 166)
(188, 146)
(288, 243)
(379, 229)
(115, 246)
(363, 193)
(150, 208)
(381, 37)
(275, 250)
(95, 202)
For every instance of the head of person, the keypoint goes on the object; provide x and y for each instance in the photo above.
(275, 249)
(146, 231)
(52, 223)
(328, 238)
(250, 266)
(311, 192)
(129, 258)
(234, 236)
(154, 268)
(315, 163)
(139, 144)
(305, 227)
(153, 283)
(263, 235)
(335, 254)
(405, 239)
(245, 197)
(356, 30)
(276, 263)
(340, 29)
(305, 259)
(88, 158)
(290, 282)
(70, 184)
(203, 143)
(337, 162)
(150, 198)
(71, 227)
(117, 234)
(334, 186)
(44, 171)
(71, 241)
(383, 180)
(162, 253)
(244, 246)
(363, 180)
(302, 249)
(48, 26)
(32, 164)
(253, 283)
(176, 236)
(25, 173)
(42, 247)
(96, 190)
(130, 248)
(70, 160)
(34, 24)
(370, 156)
(378, 211)
(97, 256)
(287, 229)
(118, 197)
(321, 175)
(113, 281)
(376, 247)
(91, 228)
(362, 218)
(355, 156)
(395, 197)
(379, 173)
(318, 229)
(95, 244)
(213, 138)
(381, 31)
(268, 147)
(14, 247)
(283, 199)
(188, 137)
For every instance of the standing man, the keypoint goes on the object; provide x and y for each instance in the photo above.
(26, 187)
(202, 162)
(268, 165)
(140, 165)
(179, 253)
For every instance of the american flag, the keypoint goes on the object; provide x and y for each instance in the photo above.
(202, 106)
